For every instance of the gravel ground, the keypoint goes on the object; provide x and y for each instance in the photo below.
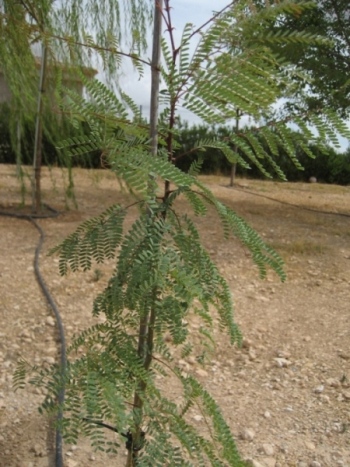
(285, 394)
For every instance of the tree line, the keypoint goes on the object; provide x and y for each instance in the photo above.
(320, 84)
(328, 166)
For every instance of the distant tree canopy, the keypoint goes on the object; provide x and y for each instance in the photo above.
(328, 167)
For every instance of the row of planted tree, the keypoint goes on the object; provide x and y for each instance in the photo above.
(328, 166)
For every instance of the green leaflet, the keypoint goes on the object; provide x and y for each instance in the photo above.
(96, 239)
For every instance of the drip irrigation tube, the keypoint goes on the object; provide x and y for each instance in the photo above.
(32, 218)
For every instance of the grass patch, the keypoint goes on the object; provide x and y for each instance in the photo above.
(300, 247)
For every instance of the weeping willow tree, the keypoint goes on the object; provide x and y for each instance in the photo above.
(163, 274)
(45, 42)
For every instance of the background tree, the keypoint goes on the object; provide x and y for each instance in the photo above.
(327, 65)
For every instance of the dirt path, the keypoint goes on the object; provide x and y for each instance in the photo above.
(286, 394)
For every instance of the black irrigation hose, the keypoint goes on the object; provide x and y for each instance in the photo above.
(304, 208)
(31, 218)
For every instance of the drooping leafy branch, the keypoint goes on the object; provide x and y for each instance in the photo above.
(45, 37)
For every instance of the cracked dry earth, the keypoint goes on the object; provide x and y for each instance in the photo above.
(285, 394)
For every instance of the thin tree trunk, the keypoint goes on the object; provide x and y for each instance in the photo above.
(37, 159)
(233, 173)
(156, 54)
(234, 166)
(18, 149)
(146, 330)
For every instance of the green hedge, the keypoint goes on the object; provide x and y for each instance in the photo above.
(332, 167)
(51, 155)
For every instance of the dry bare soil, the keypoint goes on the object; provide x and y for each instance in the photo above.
(285, 394)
